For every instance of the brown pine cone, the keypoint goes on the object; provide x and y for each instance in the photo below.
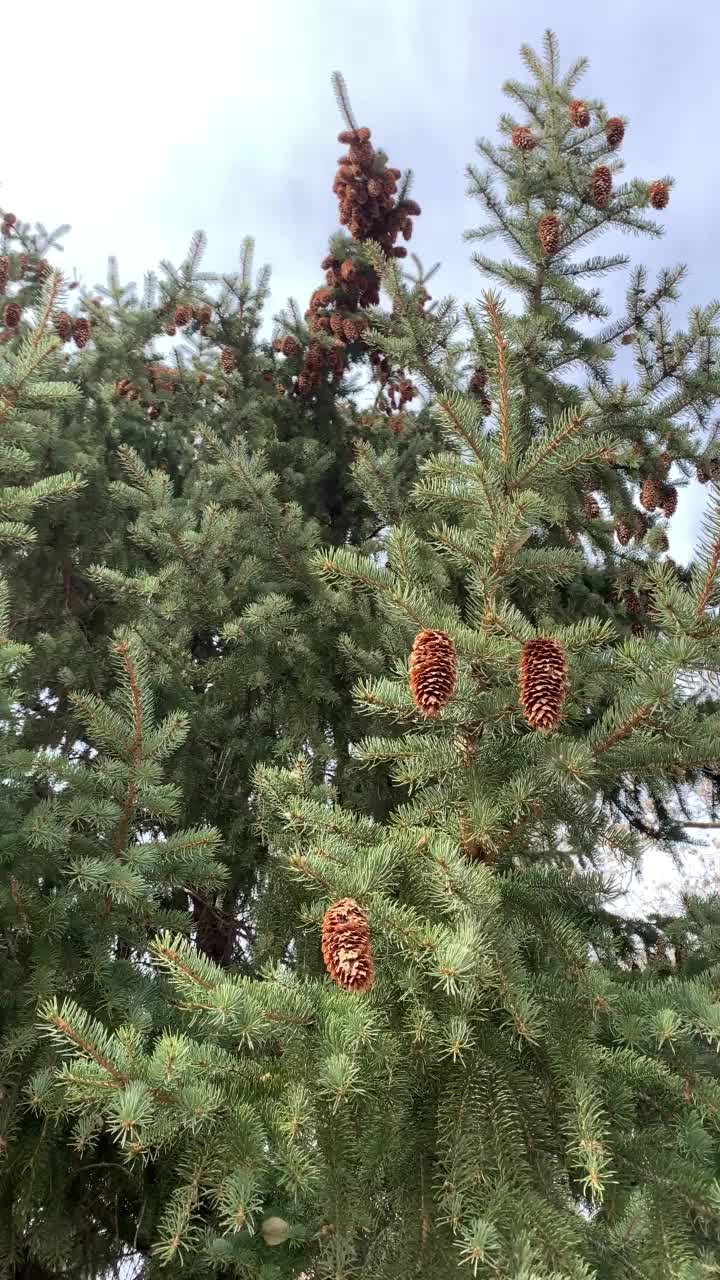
(523, 139)
(623, 531)
(182, 316)
(665, 461)
(600, 186)
(632, 603)
(658, 194)
(203, 315)
(478, 382)
(614, 132)
(591, 507)
(638, 629)
(660, 540)
(669, 500)
(12, 315)
(227, 360)
(651, 493)
(4, 271)
(433, 671)
(290, 346)
(549, 233)
(641, 525)
(81, 331)
(121, 386)
(62, 324)
(543, 683)
(579, 113)
(346, 947)
(702, 473)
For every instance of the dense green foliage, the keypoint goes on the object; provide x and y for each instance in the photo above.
(530, 1089)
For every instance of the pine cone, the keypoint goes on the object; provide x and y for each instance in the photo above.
(669, 500)
(651, 493)
(543, 683)
(600, 186)
(203, 315)
(660, 540)
(658, 194)
(523, 139)
(227, 360)
(433, 671)
(62, 325)
(290, 346)
(665, 461)
(623, 531)
(478, 382)
(4, 271)
(9, 221)
(346, 948)
(632, 603)
(182, 316)
(81, 331)
(637, 629)
(121, 386)
(12, 315)
(549, 233)
(614, 132)
(591, 507)
(641, 525)
(579, 113)
(702, 473)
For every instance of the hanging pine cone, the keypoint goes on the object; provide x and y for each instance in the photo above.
(632, 603)
(600, 186)
(523, 139)
(669, 500)
(227, 360)
(346, 948)
(203, 315)
(702, 473)
(651, 493)
(640, 525)
(660, 540)
(433, 671)
(579, 113)
(4, 271)
(62, 325)
(591, 507)
(549, 233)
(665, 461)
(290, 346)
(637, 629)
(623, 531)
(182, 316)
(12, 315)
(478, 382)
(543, 683)
(614, 132)
(81, 331)
(658, 194)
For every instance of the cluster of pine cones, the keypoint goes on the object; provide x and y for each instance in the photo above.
(542, 676)
(367, 194)
(184, 315)
(72, 329)
(162, 381)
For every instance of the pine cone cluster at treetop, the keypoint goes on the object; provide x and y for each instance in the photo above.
(651, 493)
(523, 138)
(543, 683)
(549, 233)
(81, 331)
(346, 948)
(669, 500)
(579, 113)
(62, 324)
(600, 186)
(433, 671)
(614, 132)
(658, 194)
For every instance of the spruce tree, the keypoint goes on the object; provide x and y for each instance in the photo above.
(457, 1054)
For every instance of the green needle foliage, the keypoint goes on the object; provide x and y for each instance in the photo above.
(516, 1095)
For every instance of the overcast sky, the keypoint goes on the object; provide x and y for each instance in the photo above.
(138, 122)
